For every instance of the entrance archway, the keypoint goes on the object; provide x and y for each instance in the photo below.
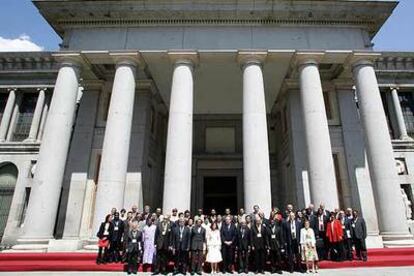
(8, 178)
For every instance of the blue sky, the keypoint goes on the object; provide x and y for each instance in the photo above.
(20, 17)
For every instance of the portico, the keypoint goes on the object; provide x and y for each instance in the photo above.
(161, 109)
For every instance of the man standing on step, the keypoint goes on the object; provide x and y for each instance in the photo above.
(162, 243)
(359, 234)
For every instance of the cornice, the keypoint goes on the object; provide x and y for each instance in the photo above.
(66, 14)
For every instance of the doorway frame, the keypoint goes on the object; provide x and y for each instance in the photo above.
(198, 189)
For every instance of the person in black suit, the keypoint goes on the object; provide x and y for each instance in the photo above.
(322, 220)
(104, 234)
(243, 247)
(276, 243)
(259, 244)
(347, 238)
(291, 238)
(181, 246)
(359, 234)
(198, 243)
(116, 238)
(134, 245)
(162, 242)
(228, 239)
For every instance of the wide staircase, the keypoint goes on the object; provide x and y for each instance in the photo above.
(83, 261)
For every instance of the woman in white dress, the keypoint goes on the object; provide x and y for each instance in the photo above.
(214, 247)
(308, 246)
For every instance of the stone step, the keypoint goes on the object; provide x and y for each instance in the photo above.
(399, 244)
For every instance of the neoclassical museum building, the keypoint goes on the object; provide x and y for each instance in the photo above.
(205, 104)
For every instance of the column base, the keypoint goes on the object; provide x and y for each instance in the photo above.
(31, 245)
(374, 241)
(47, 245)
(406, 138)
(31, 141)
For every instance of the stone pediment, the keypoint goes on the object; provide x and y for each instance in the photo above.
(66, 14)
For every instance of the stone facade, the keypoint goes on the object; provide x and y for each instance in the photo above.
(285, 102)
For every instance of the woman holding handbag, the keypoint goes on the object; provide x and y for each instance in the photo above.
(104, 234)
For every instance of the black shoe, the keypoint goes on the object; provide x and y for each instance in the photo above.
(192, 272)
(256, 272)
(176, 273)
(199, 273)
(278, 272)
(262, 272)
(230, 272)
(155, 273)
(246, 271)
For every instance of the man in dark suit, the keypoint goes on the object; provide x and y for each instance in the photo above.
(116, 239)
(162, 242)
(322, 219)
(134, 245)
(276, 243)
(198, 240)
(228, 239)
(359, 234)
(291, 238)
(243, 246)
(181, 246)
(347, 237)
(259, 244)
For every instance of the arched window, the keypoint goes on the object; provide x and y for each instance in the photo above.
(8, 178)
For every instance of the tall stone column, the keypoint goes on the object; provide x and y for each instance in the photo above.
(47, 182)
(178, 158)
(115, 151)
(8, 112)
(402, 129)
(37, 116)
(256, 166)
(322, 181)
(390, 208)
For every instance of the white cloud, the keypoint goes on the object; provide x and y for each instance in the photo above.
(21, 44)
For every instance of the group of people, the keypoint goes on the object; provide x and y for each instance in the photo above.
(288, 239)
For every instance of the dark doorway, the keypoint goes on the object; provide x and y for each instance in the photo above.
(220, 193)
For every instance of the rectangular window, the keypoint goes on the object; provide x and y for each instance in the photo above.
(24, 117)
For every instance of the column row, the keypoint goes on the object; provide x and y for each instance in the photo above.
(11, 111)
(43, 204)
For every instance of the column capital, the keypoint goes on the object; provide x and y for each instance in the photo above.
(308, 58)
(71, 59)
(41, 89)
(362, 59)
(245, 58)
(126, 58)
(14, 89)
(190, 58)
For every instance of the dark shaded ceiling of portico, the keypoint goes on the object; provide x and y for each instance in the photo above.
(218, 80)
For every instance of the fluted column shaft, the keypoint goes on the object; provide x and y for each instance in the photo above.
(390, 208)
(8, 111)
(256, 167)
(402, 129)
(37, 116)
(178, 159)
(47, 182)
(322, 181)
(115, 151)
